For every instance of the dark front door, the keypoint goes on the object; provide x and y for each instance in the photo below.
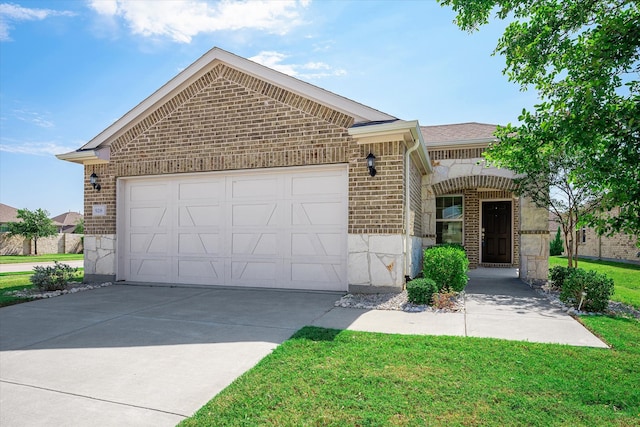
(496, 232)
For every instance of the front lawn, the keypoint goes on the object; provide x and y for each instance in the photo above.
(626, 277)
(330, 377)
(18, 281)
(14, 259)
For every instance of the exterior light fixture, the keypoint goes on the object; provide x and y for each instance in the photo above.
(371, 164)
(93, 179)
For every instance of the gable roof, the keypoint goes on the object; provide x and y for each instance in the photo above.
(91, 152)
(461, 133)
(8, 214)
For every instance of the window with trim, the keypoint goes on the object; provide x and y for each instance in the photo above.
(449, 219)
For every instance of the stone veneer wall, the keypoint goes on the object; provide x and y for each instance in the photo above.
(99, 258)
(62, 243)
(534, 243)
(228, 120)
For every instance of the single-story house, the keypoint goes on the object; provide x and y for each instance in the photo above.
(8, 214)
(235, 174)
(67, 222)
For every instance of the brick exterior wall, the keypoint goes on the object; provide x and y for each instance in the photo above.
(229, 120)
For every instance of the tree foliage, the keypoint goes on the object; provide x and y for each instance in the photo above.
(583, 59)
(34, 224)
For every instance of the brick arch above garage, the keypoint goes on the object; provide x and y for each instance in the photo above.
(473, 182)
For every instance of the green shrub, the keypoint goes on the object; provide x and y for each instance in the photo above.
(420, 291)
(556, 246)
(557, 276)
(447, 266)
(587, 290)
(52, 278)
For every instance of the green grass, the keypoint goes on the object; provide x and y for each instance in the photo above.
(329, 377)
(626, 277)
(13, 259)
(18, 281)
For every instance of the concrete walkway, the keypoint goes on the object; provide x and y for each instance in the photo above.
(151, 355)
(28, 266)
(497, 305)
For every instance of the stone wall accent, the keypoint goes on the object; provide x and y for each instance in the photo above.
(376, 263)
(534, 243)
(99, 257)
(62, 243)
(458, 183)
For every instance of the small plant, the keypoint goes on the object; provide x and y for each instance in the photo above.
(420, 291)
(447, 266)
(52, 278)
(444, 300)
(557, 275)
(587, 290)
(556, 246)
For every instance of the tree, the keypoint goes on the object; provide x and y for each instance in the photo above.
(79, 227)
(583, 59)
(556, 247)
(34, 224)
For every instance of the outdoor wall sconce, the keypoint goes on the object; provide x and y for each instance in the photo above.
(371, 164)
(93, 179)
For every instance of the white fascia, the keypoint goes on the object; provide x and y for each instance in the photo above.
(87, 157)
(407, 131)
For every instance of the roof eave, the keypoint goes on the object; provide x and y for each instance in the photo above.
(407, 131)
(86, 157)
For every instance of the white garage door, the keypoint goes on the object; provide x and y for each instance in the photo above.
(281, 228)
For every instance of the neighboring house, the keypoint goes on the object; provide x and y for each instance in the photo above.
(618, 247)
(7, 214)
(67, 222)
(235, 174)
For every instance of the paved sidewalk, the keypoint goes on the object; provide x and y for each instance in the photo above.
(28, 266)
(497, 305)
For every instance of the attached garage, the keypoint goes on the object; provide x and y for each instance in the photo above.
(282, 228)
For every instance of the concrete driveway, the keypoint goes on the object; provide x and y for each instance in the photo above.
(151, 355)
(138, 355)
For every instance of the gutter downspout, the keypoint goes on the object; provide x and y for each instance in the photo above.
(407, 181)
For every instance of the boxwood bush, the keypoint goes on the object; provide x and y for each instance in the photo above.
(53, 278)
(420, 291)
(591, 288)
(557, 276)
(447, 266)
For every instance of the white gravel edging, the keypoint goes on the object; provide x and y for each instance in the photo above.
(72, 288)
(393, 301)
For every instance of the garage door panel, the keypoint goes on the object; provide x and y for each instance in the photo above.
(199, 216)
(276, 228)
(254, 214)
(148, 217)
(254, 244)
(316, 185)
(201, 271)
(317, 244)
(144, 192)
(155, 269)
(208, 190)
(199, 244)
(256, 271)
(317, 213)
(254, 188)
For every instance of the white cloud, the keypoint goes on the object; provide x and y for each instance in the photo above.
(33, 118)
(181, 20)
(33, 148)
(10, 13)
(310, 70)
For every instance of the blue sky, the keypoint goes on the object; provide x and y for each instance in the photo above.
(68, 69)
